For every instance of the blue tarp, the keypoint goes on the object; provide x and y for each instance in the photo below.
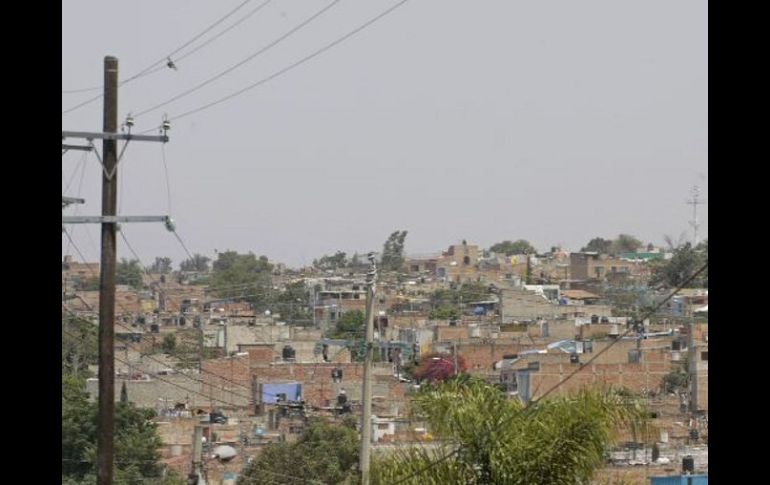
(293, 391)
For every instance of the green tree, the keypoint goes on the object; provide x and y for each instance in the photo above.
(243, 277)
(137, 442)
(79, 346)
(89, 284)
(325, 453)
(509, 248)
(598, 245)
(197, 263)
(683, 264)
(292, 303)
(444, 313)
(161, 265)
(625, 243)
(129, 272)
(350, 325)
(473, 291)
(393, 252)
(338, 261)
(169, 343)
(124, 393)
(493, 439)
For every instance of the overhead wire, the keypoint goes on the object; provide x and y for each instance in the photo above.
(128, 328)
(285, 69)
(149, 69)
(192, 391)
(201, 46)
(235, 66)
(582, 366)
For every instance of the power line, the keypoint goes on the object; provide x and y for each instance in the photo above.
(201, 46)
(242, 62)
(531, 404)
(200, 381)
(287, 68)
(128, 328)
(149, 69)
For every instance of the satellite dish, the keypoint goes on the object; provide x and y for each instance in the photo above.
(224, 453)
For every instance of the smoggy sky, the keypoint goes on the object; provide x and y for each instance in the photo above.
(552, 121)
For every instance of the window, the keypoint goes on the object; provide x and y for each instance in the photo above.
(466, 260)
(704, 355)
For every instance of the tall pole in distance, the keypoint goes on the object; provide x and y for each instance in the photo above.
(366, 419)
(454, 354)
(105, 423)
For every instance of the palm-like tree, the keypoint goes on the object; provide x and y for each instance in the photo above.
(491, 439)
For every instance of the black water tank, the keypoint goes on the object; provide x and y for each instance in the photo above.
(688, 464)
(288, 353)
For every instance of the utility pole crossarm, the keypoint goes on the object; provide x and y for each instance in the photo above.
(65, 201)
(85, 148)
(91, 135)
(110, 219)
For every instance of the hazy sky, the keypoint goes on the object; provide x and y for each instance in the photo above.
(553, 121)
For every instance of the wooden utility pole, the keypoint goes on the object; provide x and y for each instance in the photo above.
(366, 419)
(109, 221)
(105, 423)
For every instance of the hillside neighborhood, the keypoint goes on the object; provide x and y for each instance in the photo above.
(240, 352)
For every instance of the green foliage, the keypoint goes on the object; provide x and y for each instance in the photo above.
(137, 442)
(325, 453)
(89, 284)
(350, 325)
(161, 265)
(683, 264)
(447, 303)
(496, 440)
(444, 313)
(197, 263)
(79, 346)
(625, 243)
(675, 381)
(124, 393)
(393, 252)
(292, 303)
(509, 248)
(598, 245)
(129, 272)
(337, 261)
(243, 277)
(169, 343)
